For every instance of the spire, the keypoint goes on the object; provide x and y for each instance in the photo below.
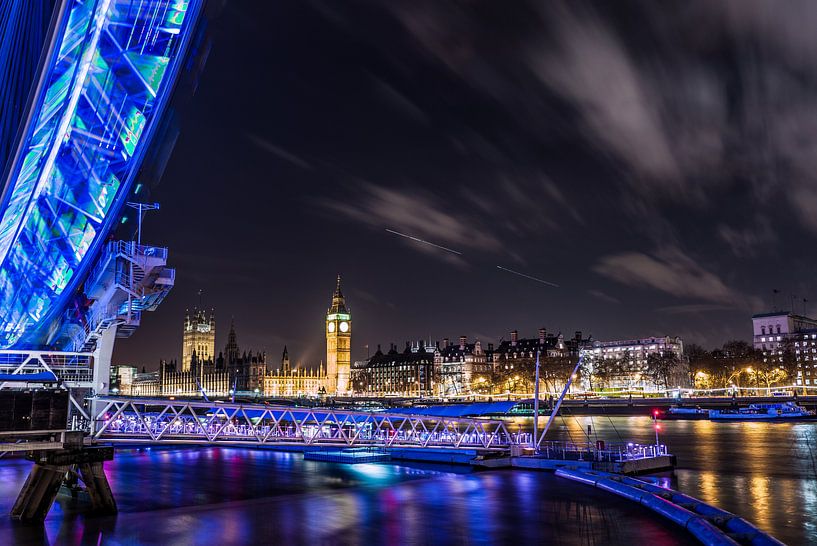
(338, 301)
(285, 365)
(231, 350)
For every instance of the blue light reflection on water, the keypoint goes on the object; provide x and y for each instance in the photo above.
(237, 496)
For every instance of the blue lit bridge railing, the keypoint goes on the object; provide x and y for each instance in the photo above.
(177, 421)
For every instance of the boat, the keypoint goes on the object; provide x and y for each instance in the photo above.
(787, 411)
(683, 412)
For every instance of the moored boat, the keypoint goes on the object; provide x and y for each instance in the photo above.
(787, 411)
(683, 412)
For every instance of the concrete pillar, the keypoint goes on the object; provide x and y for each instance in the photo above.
(96, 483)
(38, 493)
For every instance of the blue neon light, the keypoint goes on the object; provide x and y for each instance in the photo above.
(110, 67)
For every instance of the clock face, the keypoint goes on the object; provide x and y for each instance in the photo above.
(331, 327)
(344, 326)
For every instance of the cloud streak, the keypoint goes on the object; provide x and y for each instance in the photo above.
(279, 152)
(672, 272)
(422, 216)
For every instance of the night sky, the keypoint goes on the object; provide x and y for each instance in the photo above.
(656, 162)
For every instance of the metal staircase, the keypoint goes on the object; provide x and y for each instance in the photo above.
(127, 279)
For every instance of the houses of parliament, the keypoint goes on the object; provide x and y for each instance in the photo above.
(232, 370)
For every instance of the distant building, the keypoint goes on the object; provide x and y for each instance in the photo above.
(286, 382)
(234, 370)
(780, 332)
(199, 337)
(122, 378)
(516, 353)
(247, 370)
(629, 360)
(408, 373)
(456, 366)
(202, 376)
(230, 372)
(146, 384)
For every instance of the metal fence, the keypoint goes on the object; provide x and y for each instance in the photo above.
(601, 451)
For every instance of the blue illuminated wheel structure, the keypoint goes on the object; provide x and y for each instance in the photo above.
(105, 75)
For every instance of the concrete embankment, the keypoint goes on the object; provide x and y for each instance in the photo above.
(709, 524)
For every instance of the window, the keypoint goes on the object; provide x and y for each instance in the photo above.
(778, 328)
(763, 330)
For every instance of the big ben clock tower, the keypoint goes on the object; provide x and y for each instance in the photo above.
(338, 344)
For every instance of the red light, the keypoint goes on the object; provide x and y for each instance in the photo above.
(657, 427)
(656, 412)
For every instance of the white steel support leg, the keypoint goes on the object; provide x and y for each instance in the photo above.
(102, 361)
(102, 370)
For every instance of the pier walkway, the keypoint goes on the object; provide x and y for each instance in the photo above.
(177, 421)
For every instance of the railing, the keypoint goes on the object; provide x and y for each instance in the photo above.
(67, 366)
(127, 249)
(601, 451)
(167, 277)
(159, 421)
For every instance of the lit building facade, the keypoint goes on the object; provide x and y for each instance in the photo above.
(232, 371)
(408, 373)
(338, 344)
(199, 338)
(456, 366)
(557, 354)
(286, 382)
(146, 384)
(777, 333)
(246, 373)
(548, 344)
(630, 357)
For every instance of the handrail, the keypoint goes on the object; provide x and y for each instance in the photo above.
(127, 249)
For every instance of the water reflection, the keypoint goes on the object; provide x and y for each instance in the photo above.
(765, 472)
(234, 496)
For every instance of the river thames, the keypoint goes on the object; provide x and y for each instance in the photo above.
(173, 495)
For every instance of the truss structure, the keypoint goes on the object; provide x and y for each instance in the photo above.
(179, 421)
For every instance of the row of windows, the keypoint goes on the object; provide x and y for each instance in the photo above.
(763, 330)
